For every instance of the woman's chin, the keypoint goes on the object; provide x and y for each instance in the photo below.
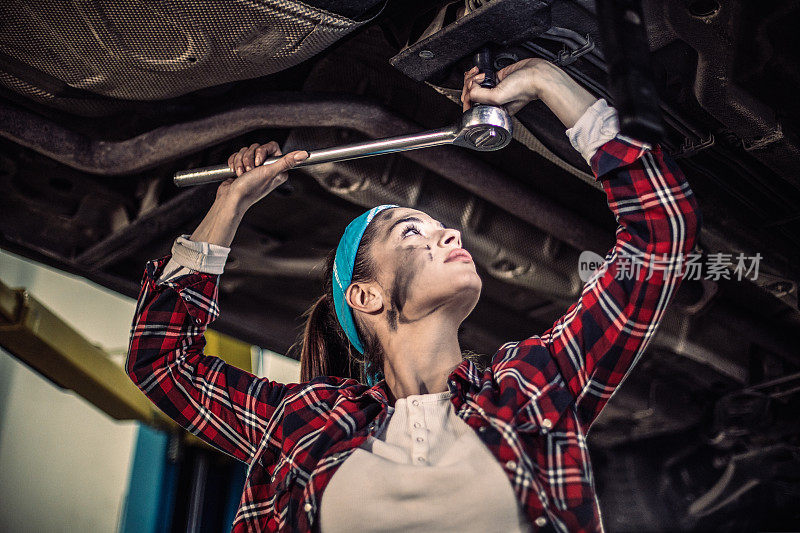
(470, 282)
(466, 295)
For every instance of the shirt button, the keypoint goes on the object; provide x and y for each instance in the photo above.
(417, 425)
(547, 423)
(307, 507)
(420, 439)
(541, 521)
(415, 402)
(511, 465)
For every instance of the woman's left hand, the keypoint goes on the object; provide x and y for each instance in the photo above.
(527, 80)
(516, 86)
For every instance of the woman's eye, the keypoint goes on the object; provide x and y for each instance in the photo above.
(410, 230)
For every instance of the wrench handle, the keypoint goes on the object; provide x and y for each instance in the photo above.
(358, 150)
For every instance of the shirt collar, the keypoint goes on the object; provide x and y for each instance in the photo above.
(378, 392)
(466, 372)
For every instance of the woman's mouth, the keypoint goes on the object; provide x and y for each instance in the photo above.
(459, 254)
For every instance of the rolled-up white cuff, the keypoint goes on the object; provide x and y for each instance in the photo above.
(200, 256)
(192, 256)
(598, 125)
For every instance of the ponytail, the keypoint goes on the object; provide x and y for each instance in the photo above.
(324, 347)
(324, 351)
(313, 356)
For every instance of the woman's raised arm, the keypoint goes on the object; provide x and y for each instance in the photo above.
(224, 405)
(600, 337)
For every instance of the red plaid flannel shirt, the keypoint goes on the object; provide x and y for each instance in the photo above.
(532, 407)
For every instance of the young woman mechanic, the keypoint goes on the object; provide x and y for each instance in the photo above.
(438, 444)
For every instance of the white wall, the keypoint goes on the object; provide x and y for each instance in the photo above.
(64, 465)
(275, 366)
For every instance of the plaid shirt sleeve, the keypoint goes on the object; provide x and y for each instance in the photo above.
(601, 337)
(223, 405)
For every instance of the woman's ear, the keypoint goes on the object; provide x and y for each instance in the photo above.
(364, 297)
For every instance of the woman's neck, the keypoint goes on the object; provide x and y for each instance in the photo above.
(419, 357)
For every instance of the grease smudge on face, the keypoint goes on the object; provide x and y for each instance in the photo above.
(406, 271)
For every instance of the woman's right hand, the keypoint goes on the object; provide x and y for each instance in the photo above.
(235, 196)
(253, 180)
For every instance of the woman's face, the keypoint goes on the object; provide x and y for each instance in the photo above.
(422, 268)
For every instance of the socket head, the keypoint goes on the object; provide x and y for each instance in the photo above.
(484, 128)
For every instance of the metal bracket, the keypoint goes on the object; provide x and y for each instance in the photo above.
(690, 148)
(501, 22)
(567, 57)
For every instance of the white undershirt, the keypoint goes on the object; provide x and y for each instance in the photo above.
(425, 470)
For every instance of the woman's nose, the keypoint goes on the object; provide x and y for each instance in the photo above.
(449, 237)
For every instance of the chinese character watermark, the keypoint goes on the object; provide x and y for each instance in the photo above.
(637, 264)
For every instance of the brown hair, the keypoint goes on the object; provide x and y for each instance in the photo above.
(324, 347)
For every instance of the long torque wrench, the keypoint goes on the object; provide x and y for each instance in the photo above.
(483, 128)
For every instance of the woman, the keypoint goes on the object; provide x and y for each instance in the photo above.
(438, 443)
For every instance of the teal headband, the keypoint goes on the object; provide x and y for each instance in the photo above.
(343, 271)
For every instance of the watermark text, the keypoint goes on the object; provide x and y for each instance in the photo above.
(694, 265)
